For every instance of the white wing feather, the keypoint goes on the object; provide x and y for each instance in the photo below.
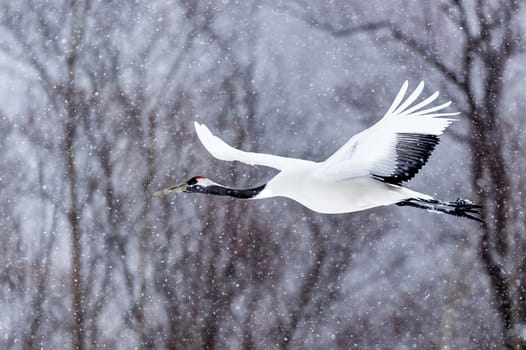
(374, 150)
(221, 150)
(370, 152)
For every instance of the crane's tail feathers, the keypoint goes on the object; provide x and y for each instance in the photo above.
(461, 207)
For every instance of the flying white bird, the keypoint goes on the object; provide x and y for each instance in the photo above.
(367, 172)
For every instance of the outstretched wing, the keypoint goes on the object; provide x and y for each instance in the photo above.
(221, 150)
(396, 147)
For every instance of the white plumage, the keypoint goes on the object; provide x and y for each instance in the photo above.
(367, 171)
(344, 182)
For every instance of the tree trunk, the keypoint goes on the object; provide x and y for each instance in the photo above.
(77, 328)
(79, 14)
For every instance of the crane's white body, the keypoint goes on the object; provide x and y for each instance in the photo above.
(348, 180)
(326, 197)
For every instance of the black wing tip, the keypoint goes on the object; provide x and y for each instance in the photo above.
(412, 153)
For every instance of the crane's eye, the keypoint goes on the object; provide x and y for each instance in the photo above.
(192, 181)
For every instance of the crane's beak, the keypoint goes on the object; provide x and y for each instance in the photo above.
(175, 189)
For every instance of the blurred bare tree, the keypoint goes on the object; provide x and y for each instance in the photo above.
(487, 36)
(97, 114)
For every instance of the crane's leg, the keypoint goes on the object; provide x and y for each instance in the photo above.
(461, 207)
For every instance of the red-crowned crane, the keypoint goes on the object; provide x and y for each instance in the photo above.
(366, 172)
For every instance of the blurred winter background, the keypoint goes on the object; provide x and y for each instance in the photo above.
(98, 100)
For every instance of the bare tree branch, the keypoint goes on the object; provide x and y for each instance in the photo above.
(309, 18)
(429, 57)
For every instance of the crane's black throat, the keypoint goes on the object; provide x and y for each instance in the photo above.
(225, 191)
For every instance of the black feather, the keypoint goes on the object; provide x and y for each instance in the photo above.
(412, 152)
